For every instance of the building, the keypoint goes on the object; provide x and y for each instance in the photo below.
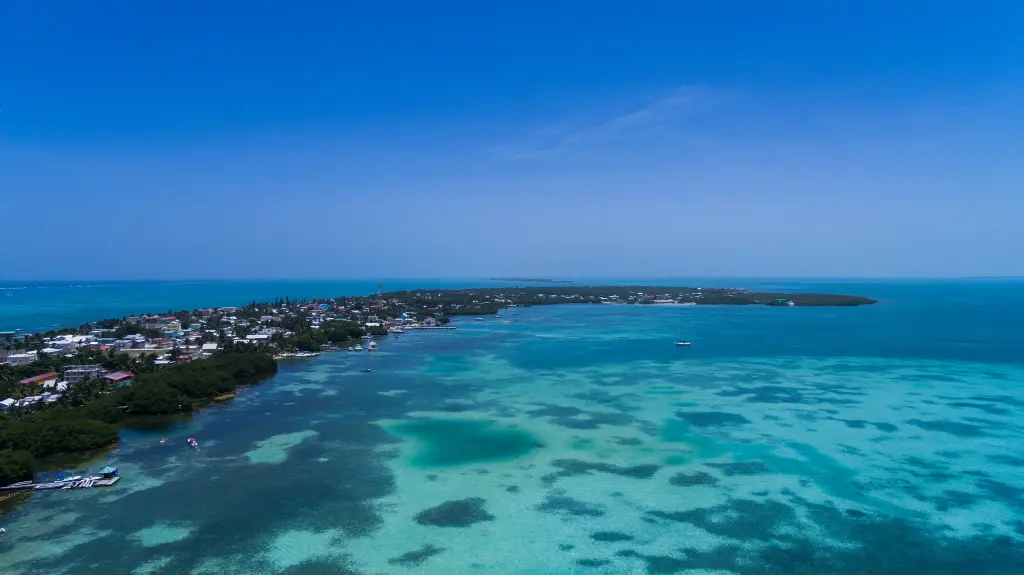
(52, 376)
(120, 378)
(7, 404)
(67, 342)
(30, 400)
(57, 385)
(75, 374)
(16, 359)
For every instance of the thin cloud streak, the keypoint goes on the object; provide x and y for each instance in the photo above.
(658, 115)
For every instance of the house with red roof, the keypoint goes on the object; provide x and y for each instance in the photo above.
(52, 376)
(120, 378)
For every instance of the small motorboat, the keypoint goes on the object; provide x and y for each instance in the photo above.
(479, 319)
(364, 370)
(193, 443)
(683, 343)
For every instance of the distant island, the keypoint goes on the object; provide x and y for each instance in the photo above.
(532, 280)
(482, 301)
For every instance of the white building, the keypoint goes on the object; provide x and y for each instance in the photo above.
(16, 359)
(64, 342)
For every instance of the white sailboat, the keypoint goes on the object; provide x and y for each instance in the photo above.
(680, 342)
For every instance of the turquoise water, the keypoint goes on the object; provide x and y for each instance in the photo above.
(882, 439)
(39, 306)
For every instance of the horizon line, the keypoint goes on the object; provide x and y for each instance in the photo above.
(492, 279)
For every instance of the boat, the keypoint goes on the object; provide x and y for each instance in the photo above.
(350, 348)
(193, 443)
(44, 486)
(479, 319)
(364, 370)
(357, 348)
(680, 342)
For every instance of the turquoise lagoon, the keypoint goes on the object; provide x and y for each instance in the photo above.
(883, 439)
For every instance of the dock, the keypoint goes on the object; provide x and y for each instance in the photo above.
(408, 327)
(108, 476)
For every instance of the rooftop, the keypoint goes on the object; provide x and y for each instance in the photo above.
(40, 378)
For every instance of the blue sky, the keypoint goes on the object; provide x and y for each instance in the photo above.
(464, 139)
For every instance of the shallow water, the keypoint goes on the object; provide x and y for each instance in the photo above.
(580, 440)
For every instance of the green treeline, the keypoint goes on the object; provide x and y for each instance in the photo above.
(173, 389)
(15, 466)
(334, 332)
(186, 386)
(55, 431)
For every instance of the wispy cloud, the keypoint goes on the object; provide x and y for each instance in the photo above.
(659, 114)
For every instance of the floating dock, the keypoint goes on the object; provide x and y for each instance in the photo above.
(107, 477)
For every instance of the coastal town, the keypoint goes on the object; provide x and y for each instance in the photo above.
(112, 351)
(67, 389)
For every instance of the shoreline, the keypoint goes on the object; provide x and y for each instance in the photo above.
(568, 291)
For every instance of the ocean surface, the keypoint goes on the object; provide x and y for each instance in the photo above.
(578, 439)
(40, 306)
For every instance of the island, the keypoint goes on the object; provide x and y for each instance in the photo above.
(66, 390)
(532, 280)
(481, 301)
